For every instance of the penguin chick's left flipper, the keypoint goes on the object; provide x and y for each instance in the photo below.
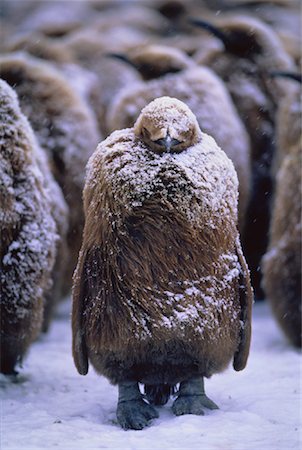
(132, 411)
(79, 349)
(246, 296)
(192, 398)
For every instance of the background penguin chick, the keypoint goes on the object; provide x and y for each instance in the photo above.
(80, 79)
(288, 122)
(284, 18)
(60, 214)
(136, 17)
(282, 262)
(38, 45)
(252, 51)
(206, 96)
(161, 291)
(153, 61)
(88, 50)
(27, 232)
(65, 128)
(56, 19)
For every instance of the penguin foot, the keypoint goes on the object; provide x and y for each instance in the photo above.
(192, 398)
(132, 411)
(192, 404)
(135, 414)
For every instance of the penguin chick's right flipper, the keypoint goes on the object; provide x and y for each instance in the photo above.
(246, 301)
(192, 398)
(79, 349)
(132, 411)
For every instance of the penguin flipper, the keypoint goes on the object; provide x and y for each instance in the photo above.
(246, 300)
(79, 292)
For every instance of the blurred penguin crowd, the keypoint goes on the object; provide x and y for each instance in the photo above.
(74, 71)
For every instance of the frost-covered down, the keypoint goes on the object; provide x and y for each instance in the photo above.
(207, 97)
(204, 94)
(54, 407)
(138, 174)
(65, 128)
(28, 229)
(161, 257)
(56, 112)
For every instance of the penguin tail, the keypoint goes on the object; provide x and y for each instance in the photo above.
(159, 394)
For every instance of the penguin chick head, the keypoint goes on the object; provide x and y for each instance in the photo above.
(167, 125)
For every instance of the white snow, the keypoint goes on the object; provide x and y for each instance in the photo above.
(54, 407)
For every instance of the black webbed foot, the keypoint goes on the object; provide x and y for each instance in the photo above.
(132, 411)
(192, 398)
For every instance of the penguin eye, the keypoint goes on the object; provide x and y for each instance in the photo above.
(145, 132)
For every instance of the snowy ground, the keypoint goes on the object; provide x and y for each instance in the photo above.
(54, 407)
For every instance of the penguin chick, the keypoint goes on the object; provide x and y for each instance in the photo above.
(288, 118)
(136, 17)
(65, 128)
(252, 50)
(161, 291)
(284, 18)
(56, 19)
(282, 262)
(53, 50)
(202, 91)
(60, 213)
(27, 234)
(89, 51)
(153, 61)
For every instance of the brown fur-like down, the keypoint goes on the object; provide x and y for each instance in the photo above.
(161, 291)
(65, 128)
(88, 49)
(27, 233)
(251, 52)
(176, 75)
(282, 262)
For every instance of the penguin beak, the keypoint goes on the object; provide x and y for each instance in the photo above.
(121, 57)
(167, 142)
(211, 28)
(291, 75)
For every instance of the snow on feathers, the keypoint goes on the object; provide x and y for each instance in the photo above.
(206, 96)
(65, 128)
(160, 256)
(28, 233)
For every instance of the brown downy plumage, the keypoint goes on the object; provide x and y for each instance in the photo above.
(36, 44)
(89, 50)
(65, 129)
(56, 19)
(288, 117)
(161, 290)
(282, 262)
(137, 17)
(252, 50)
(282, 16)
(28, 235)
(176, 75)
